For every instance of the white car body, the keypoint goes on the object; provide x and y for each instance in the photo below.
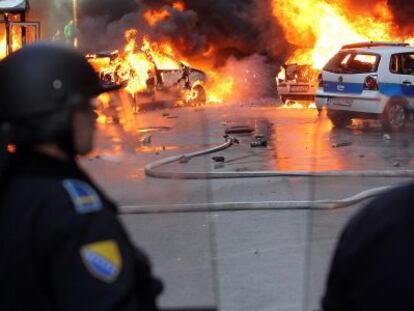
(346, 90)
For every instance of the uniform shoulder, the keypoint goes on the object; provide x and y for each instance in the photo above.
(67, 194)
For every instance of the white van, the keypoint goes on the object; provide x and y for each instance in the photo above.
(372, 80)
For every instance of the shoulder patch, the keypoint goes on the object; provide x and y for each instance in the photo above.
(84, 197)
(103, 260)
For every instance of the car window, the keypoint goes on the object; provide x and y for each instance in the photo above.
(353, 63)
(402, 64)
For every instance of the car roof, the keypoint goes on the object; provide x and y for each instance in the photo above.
(383, 49)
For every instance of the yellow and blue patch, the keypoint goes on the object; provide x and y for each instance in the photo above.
(102, 259)
(84, 197)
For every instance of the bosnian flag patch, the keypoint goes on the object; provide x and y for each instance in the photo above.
(102, 259)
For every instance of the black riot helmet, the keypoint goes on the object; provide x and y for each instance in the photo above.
(40, 86)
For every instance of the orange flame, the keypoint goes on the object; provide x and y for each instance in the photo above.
(136, 63)
(153, 17)
(319, 28)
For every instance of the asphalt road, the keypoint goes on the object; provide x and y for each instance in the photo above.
(251, 260)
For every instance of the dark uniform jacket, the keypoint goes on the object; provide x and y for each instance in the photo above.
(373, 265)
(61, 245)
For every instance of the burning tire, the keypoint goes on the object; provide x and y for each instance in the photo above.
(339, 119)
(197, 96)
(394, 117)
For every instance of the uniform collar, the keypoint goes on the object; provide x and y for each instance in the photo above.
(39, 164)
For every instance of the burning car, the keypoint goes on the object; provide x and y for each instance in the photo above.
(297, 82)
(105, 64)
(143, 78)
(184, 84)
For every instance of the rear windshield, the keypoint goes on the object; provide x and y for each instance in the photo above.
(351, 62)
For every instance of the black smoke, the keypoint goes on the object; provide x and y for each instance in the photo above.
(404, 15)
(237, 28)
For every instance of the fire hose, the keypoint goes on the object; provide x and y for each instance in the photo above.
(151, 170)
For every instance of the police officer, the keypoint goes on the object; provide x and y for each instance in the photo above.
(61, 244)
(373, 264)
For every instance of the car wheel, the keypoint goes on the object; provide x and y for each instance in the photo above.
(394, 117)
(198, 96)
(339, 119)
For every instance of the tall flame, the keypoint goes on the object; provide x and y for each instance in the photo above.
(319, 28)
(137, 62)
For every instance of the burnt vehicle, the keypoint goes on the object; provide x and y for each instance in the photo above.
(297, 83)
(108, 67)
(183, 85)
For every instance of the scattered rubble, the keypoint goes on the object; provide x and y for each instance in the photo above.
(260, 141)
(146, 140)
(184, 159)
(342, 144)
(239, 129)
(218, 159)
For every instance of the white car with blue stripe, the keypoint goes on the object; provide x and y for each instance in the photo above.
(372, 80)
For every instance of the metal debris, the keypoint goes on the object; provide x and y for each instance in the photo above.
(147, 140)
(342, 144)
(184, 159)
(218, 159)
(260, 141)
(239, 129)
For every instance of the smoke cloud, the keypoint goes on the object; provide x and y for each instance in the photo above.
(212, 29)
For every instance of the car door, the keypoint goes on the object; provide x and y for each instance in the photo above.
(406, 72)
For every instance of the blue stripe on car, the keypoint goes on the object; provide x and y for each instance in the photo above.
(347, 88)
(387, 89)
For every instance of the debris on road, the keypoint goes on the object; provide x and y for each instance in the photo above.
(396, 164)
(218, 159)
(342, 144)
(146, 140)
(262, 130)
(184, 159)
(239, 129)
(165, 114)
(260, 141)
(387, 137)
